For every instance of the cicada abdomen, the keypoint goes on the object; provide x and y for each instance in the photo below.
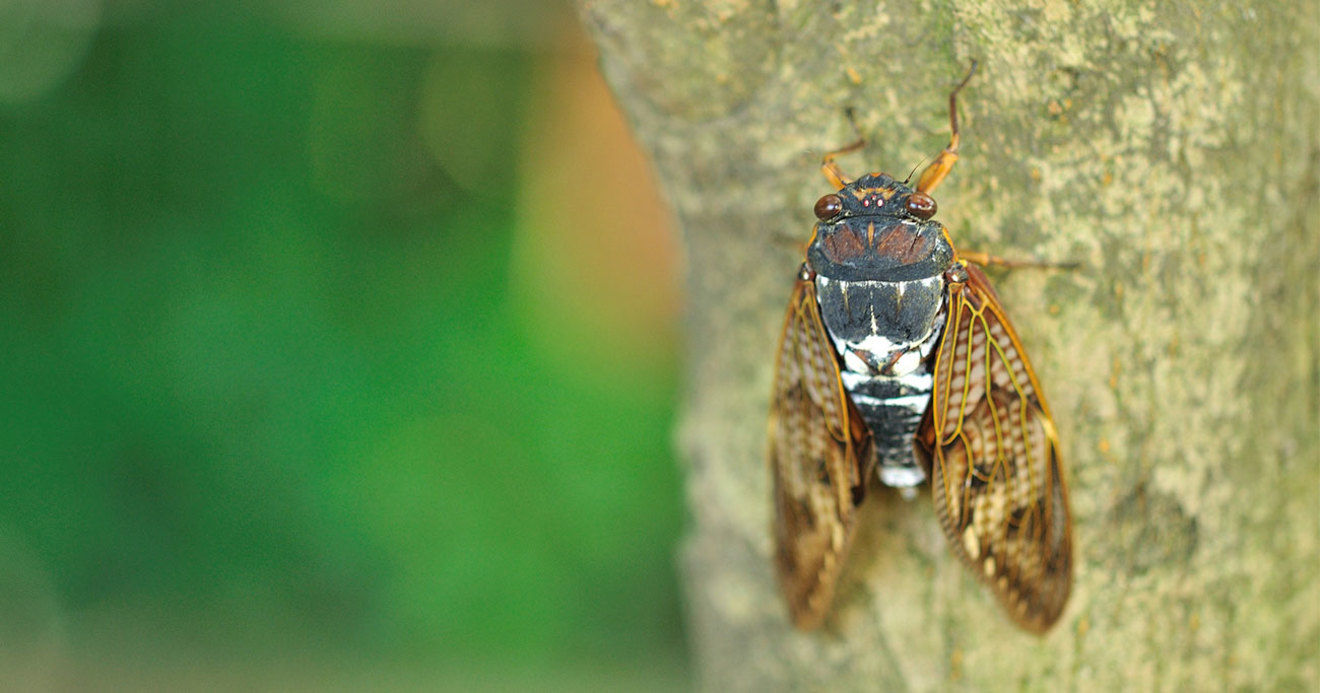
(897, 356)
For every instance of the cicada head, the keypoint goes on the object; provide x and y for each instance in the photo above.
(877, 228)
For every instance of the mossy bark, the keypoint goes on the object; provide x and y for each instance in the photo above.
(1172, 149)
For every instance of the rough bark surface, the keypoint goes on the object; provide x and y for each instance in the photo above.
(1170, 147)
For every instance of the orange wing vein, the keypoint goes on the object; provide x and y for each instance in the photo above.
(820, 456)
(998, 483)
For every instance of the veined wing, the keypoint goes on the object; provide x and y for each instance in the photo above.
(998, 483)
(820, 456)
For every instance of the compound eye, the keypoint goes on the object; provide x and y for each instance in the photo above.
(829, 206)
(921, 205)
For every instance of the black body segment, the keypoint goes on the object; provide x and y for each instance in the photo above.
(879, 273)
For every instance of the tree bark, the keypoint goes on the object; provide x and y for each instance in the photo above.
(1172, 149)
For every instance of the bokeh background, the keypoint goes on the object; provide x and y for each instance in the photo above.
(337, 351)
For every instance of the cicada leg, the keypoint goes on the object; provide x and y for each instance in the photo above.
(940, 167)
(831, 170)
(987, 260)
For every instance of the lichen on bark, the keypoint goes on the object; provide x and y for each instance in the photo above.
(1172, 149)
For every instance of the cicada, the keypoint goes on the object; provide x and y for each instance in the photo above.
(897, 355)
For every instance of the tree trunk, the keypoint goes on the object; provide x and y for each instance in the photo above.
(1170, 148)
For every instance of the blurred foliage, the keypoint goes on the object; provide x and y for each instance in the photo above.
(265, 380)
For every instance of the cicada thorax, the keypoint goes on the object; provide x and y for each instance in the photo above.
(880, 278)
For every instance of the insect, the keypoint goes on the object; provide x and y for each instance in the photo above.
(896, 355)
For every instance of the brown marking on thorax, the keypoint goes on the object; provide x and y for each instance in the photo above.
(903, 243)
(844, 244)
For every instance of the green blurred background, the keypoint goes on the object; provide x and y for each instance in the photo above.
(330, 359)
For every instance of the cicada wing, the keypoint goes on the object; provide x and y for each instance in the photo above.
(820, 457)
(997, 481)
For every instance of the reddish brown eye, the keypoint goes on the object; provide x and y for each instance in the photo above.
(921, 205)
(828, 206)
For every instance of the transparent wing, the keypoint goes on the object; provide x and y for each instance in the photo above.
(820, 455)
(998, 483)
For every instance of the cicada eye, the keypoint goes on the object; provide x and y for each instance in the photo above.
(921, 205)
(827, 207)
